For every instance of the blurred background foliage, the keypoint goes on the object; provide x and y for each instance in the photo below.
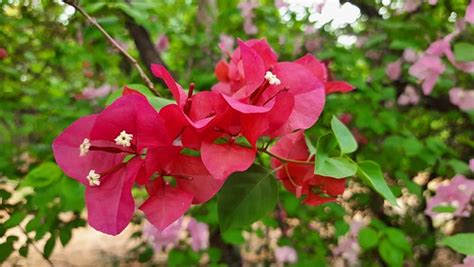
(54, 56)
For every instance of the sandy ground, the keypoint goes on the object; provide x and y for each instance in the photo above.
(87, 247)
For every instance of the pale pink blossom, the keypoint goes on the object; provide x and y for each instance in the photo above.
(92, 93)
(458, 194)
(347, 246)
(165, 238)
(394, 70)
(286, 254)
(464, 99)
(411, 5)
(427, 69)
(408, 97)
(471, 165)
(469, 17)
(467, 262)
(246, 10)
(199, 233)
(410, 55)
(226, 43)
(163, 43)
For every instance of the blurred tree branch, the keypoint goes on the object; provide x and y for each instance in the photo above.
(132, 60)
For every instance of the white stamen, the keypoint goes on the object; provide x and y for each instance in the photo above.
(455, 203)
(93, 178)
(84, 147)
(272, 78)
(124, 139)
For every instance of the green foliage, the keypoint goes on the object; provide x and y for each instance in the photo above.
(344, 137)
(461, 243)
(246, 197)
(371, 173)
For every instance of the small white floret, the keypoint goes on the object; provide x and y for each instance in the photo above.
(84, 147)
(124, 139)
(93, 178)
(272, 78)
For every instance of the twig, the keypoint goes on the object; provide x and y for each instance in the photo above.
(285, 160)
(132, 60)
(36, 248)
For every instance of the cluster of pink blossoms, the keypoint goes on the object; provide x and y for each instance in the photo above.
(130, 142)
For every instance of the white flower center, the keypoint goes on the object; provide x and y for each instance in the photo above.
(272, 78)
(124, 139)
(84, 147)
(93, 178)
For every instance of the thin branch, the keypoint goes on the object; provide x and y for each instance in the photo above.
(132, 60)
(285, 160)
(36, 248)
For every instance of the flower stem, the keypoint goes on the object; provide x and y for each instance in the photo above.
(285, 160)
(132, 60)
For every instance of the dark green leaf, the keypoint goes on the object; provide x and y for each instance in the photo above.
(146, 255)
(346, 140)
(65, 235)
(43, 175)
(246, 197)
(367, 238)
(461, 243)
(5, 250)
(49, 246)
(233, 236)
(398, 239)
(390, 254)
(371, 173)
(24, 251)
(463, 51)
(15, 219)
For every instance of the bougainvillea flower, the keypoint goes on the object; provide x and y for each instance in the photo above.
(272, 98)
(300, 178)
(408, 97)
(200, 122)
(394, 70)
(320, 70)
(179, 182)
(469, 17)
(95, 150)
(464, 99)
(199, 233)
(458, 194)
(427, 69)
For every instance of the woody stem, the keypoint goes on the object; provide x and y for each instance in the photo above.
(132, 60)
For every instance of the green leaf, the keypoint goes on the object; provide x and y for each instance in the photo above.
(49, 246)
(24, 251)
(65, 235)
(336, 167)
(346, 140)
(15, 219)
(33, 224)
(325, 165)
(367, 238)
(309, 144)
(463, 52)
(246, 197)
(459, 167)
(146, 255)
(233, 236)
(398, 239)
(390, 254)
(43, 175)
(5, 250)
(442, 209)
(461, 243)
(371, 173)
(155, 101)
